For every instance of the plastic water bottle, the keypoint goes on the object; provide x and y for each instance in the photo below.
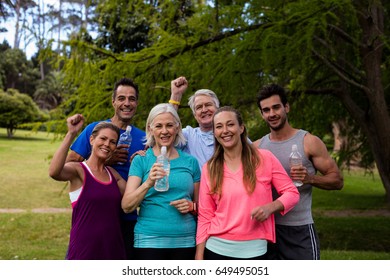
(296, 160)
(162, 185)
(126, 139)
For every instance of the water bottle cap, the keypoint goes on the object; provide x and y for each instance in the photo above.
(163, 150)
(128, 128)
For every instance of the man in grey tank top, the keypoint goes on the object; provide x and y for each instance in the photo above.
(296, 237)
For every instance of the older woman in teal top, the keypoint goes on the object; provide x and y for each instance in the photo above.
(166, 225)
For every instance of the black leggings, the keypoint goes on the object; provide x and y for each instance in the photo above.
(165, 253)
(210, 255)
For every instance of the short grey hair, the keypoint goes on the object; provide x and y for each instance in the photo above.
(207, 92)
(158, 110)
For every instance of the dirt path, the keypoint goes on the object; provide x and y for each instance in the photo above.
(36, 210)
(353, 213)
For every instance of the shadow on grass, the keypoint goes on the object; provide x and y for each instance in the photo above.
(28, 137)
(354, 233)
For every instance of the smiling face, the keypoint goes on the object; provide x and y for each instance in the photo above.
(227, 130)
(104, 143)
(274, 113)
(125, 103)
(164, 129)
(204, 111)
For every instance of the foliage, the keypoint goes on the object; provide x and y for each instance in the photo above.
(17, 72)
(329, 54)
(50, 91)
(17, 108)
(122, 27)
(337, 48)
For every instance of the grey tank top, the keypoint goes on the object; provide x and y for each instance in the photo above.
(301, 213)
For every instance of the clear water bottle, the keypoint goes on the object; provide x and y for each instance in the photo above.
(296, 160)
(125, 138)
(162, 185)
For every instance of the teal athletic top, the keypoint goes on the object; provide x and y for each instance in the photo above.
(159, 224)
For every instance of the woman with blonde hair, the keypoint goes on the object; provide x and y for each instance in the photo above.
(166, 225)
(95, 192)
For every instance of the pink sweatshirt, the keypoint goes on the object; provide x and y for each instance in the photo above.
(229, 218)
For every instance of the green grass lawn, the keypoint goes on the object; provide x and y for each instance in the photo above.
(31, 236)
(25, 184)
(344, 237)
(24, 179)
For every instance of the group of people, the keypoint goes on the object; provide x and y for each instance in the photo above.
(228, 197)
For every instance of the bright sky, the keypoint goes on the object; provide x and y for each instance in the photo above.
(10, 25)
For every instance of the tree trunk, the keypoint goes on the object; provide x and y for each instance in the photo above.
(376, 120)
(17, 12)
(10, 131)
(59, 27)
(86, 16)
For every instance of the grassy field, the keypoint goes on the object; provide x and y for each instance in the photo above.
(359, 222)
(24, 176)
(25, 185)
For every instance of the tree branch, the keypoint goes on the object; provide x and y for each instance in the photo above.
(339, 73)
(228, 34)
(328, 47)
(216, 38)
(348, 102)
(344, 35)
(205, 42)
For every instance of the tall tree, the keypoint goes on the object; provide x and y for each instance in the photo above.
(19, 8)
(338, 47)
(332, 49)
(50, 91)
(122, 26)
(19, 73)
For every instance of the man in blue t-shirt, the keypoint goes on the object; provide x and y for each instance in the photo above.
(125, 102)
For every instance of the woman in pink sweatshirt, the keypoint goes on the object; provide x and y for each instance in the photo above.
(235, 215)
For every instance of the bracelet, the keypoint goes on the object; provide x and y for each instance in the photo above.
(174, 102)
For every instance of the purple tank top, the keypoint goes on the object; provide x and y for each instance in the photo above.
(96, 221)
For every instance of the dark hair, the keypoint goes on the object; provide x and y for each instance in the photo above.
(103, 125)
(125, 82)
(249, 158)
(269, 90)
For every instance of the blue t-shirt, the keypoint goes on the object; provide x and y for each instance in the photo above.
(82, 146)
(156, 216)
